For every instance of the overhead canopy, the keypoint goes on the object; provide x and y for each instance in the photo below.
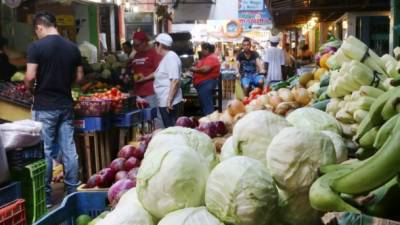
(289, 13)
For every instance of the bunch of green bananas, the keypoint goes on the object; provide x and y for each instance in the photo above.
(380, 130)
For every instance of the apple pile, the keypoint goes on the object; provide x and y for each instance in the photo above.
(126, 166)
(212, 129)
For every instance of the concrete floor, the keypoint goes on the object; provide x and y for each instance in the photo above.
(57, 195)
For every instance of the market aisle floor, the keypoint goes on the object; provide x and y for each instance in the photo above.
(57, 195)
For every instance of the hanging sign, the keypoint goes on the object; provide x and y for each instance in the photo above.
(251, 5)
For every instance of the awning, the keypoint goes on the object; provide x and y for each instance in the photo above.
(290, 13)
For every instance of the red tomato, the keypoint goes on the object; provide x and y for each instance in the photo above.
(246, 100)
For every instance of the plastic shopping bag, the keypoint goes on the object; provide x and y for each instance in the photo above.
(239, 93)
(20, 134)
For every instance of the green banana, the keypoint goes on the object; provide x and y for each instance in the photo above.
(337, 167)
(365, 153)
(376, 170)
(367, 140)
(323, 198)
(389, 109)
(374, 117)
(385, 200)
(385, 131)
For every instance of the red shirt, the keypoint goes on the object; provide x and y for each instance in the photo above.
(211, 61)
(145, 63)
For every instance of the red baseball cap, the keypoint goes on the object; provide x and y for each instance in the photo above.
(140, 36)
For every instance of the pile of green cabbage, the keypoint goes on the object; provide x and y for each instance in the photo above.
(267, 167)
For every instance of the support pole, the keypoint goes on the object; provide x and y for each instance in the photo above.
(395, 17)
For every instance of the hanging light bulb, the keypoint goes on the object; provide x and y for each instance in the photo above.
(127, 5)
(135, 8)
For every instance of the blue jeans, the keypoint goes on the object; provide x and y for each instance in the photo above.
(169, 118)
(205, 92)
(153, 102)
(58, 138)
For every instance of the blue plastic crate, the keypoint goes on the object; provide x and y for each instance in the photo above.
(127, 120)
(92, 124)
(10, 193)
(149, 114)
(90, 203)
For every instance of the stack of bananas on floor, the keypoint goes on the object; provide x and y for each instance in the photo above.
(370, 184)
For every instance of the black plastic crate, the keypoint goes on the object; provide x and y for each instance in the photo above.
(19, 158)
(9, 193)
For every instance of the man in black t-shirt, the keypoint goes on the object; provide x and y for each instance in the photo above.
(54, 64)
(250, 67)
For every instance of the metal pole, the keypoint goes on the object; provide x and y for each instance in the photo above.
(395, 21)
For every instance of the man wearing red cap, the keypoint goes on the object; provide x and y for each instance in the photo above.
(144, 64)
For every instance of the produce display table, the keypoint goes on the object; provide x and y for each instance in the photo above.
(127, 125)
(11, 111)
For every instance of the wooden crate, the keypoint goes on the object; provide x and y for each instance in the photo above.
(228, 89)
(95, 152)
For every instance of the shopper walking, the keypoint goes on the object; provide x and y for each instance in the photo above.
(306, 56)
(7, 69)
(205, 77)
(250, 67)
(54, 64)
(290, 63)
(275, 59)
(144, 63)
(167, 80)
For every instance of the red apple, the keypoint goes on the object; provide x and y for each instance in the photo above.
(195, 121)
(208, 128)
(132, 174)
(220, 128)
(131, 163)
(117, 164)
(107, 177)
(139, 151)
(126, 151)
(93, 181)
(121, 175)
(184, 121)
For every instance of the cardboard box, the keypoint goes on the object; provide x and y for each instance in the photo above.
(336, 218)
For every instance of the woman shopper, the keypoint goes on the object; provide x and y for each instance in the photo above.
(205, 77)
(167, 80)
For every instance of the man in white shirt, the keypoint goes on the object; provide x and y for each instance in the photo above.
(274, 58)
(167, 80)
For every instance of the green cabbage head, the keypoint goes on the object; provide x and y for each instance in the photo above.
(171, 178)
(295, 155)
(313, 119)
(340, 146)
(190, 216)
(241, 191)
(178, 136)
(254, 132)
(128, 211)
(227, 150)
